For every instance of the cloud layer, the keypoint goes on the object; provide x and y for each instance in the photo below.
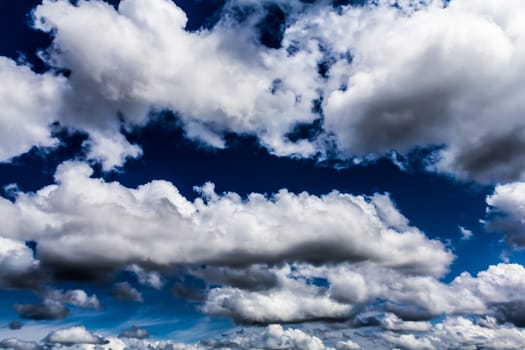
(451, 333)
(456, 83)
(114, 226)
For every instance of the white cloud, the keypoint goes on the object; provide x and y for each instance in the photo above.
(347, 345)
(457, 82)
(82, 220)
(110, 149)
(461, 333)
(29, 103)
(218, 80)
(351, 288)
(466, 234)
(74, 335)
(507, 213)
(16, 264)
(454, 332)
(76, 297)
(436, 75)
(152, 279)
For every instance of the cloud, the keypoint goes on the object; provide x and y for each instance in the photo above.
(110, 149)
(18, 268)
(214, 229)
(15, 325)
(454, 77)
(147, 278)
(448, 85)
(285, 65)
(263, 272)
(272, 337)
(74, 335)
(77, 297)
(17, 344)
(48, 310)
(112, 76)
(134, 332)
(344, 293)
(453, 332)
(507, 214)
(28, 109)
(124, 291)
(466, 234)
(461, 333)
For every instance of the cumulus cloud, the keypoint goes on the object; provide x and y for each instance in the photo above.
(448, 85)
(151, 279)
(134, 332)
(454, 332)
(124, 291)
(18, 267)
(506, 213)
(262, 270)
(29, 103)
(456, 85)
(77, 297)
(110, 149)
(74, 335)
(111, 225)
(111, 75)
(37, 102)
(345, 292)
(48, 310)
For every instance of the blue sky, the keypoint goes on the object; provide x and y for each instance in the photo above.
(262, 174)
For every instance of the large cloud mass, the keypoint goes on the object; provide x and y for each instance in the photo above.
(83, 220)
(456, 83)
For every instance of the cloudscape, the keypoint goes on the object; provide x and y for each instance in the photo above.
(262, 174)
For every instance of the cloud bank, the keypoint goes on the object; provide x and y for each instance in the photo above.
(348, 71)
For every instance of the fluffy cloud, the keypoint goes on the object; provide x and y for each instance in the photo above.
(461, 333)
(48, 310)
(507, 213)
(452, 333)
(111, 225)
(218, 80)
(29, 103)
(344, 292)
(124, 291)
(446, 86)
(77, 297)
(18, 268)
(147, 278)
(53, 304)
(449, 84)
(74, 335)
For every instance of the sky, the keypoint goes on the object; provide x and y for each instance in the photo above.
(262, 174)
